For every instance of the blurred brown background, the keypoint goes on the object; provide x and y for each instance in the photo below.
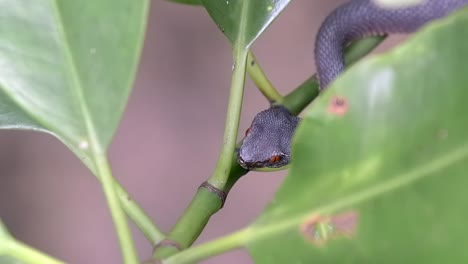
(175, 116)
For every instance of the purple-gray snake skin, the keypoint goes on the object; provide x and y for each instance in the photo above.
(360, 18)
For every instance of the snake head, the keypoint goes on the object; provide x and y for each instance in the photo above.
(268, 140)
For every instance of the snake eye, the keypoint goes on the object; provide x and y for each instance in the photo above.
(275, 159)
(247, 132)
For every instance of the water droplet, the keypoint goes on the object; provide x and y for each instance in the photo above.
(269, 8)
(227, 2)
(233, 66)
(83, 144)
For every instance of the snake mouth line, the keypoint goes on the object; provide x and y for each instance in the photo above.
(249, 165)
(244, 164)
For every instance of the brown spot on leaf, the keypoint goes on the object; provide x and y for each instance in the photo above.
(320, 229)
(308, 227)
(338, 105)
(346, 223)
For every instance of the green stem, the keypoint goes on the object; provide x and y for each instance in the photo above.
(298, 99)
(361, 48)
(203, 206)
(27, 254)
(131, 208)
(4, 234)
(120, 221)
(206, 203)
(223, 166)
(261, 81)
(301, 97)
(209, 249)
(134, 211)
(138, 216)
(186, 231)
(198, 213)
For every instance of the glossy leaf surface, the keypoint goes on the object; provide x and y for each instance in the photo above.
(380, 161)
(9, 260)
(67, 67)
(242, 21)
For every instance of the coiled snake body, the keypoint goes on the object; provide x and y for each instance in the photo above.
(269, 139)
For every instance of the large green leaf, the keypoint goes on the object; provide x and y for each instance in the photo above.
(5, 239)
(67, 67)
(242, 21)
(8, 260)
(380, 163)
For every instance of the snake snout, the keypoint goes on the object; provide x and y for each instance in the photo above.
(246, 164)
(242, 162)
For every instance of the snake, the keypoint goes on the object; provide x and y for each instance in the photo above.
(267, 142)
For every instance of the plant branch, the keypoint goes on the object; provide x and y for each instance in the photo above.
(261, 81)
(120, 221)
(198, 213)
(134, 211)
(300, 97)
(206, 204)
(223, 166)
(358, 49)
(138, 216)
(209, 249)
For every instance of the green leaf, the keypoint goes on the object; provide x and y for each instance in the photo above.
(242, 21)
(380, 161)
(4, 234)
(5, 238)
(9, 260)
(15, 252)
(187, 2)
(68, 67)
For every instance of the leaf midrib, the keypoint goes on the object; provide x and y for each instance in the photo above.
(404, 179)
(240, 43)
(76, 83)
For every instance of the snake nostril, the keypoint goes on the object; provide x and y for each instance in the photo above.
(242, 163)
